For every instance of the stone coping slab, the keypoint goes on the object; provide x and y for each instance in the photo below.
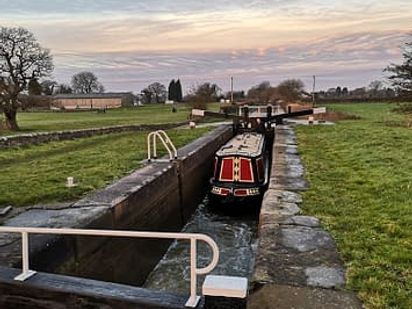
(278, 296)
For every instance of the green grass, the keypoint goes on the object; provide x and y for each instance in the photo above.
(37, 174)
(360, 174)
(57, 121)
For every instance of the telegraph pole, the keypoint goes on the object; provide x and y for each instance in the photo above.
(313, 91)
(231, 90)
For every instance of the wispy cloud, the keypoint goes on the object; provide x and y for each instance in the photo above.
(130, 43)
(346, 59)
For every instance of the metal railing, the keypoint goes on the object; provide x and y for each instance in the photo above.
(194, 271)
(164, 138)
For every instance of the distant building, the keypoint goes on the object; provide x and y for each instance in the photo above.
(93, 100)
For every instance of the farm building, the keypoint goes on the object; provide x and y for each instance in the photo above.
(93, 100)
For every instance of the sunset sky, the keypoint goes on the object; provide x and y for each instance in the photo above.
(129, 44)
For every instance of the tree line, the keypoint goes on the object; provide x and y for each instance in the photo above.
(81, 83)
(157, 93)
(375, 90)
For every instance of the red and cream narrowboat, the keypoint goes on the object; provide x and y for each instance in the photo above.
(241, 169)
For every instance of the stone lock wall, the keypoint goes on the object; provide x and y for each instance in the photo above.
(39, 138)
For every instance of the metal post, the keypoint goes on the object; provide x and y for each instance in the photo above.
(25, 258)
(164, 142)
(313, 91)
(154, 145)
(231, 90)
(169, 141)
(149, 157)
(268, 111)
(194, 299)
(25, 251)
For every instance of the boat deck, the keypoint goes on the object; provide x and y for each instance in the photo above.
(247, 144)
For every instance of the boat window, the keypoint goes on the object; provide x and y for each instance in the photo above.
(246, 172)
(226, 170)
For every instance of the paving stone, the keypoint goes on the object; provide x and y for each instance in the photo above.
(293, 159)
(270, 216)
(288, 183)
(306, 239)
(286, 196)
(325, 277)
(288, 170)
(286, 139)
(288, 209)
(278, 296)
(295, 171)
(272, 203)
(286, 149)
(283, 128)
(302, 220)
(55, 218)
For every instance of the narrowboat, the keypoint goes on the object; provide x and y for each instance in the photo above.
(241, 169)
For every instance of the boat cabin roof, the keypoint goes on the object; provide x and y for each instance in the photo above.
(245, 144)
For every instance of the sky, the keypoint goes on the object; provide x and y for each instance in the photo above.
(129, 44)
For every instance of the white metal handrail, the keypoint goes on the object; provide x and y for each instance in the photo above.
(194, 271)
(164, 138)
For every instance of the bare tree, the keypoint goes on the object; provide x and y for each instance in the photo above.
(157, 91)
(262, 93)
(290, 90)
(375, 88)
(86, 82)
(202, 94)
(21, 60)
(146, 95)
(63, 89)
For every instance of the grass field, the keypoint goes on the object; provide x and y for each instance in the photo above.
(37, 174)
(56, 121)
(360, 174)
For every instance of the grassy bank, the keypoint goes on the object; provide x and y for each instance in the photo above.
(56, 121)
(361, 187)
(37, 174)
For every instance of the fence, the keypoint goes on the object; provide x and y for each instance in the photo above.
(194, 271)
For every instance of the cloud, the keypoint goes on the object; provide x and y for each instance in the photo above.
(341, 59)
(183, 25)
(135, 42)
